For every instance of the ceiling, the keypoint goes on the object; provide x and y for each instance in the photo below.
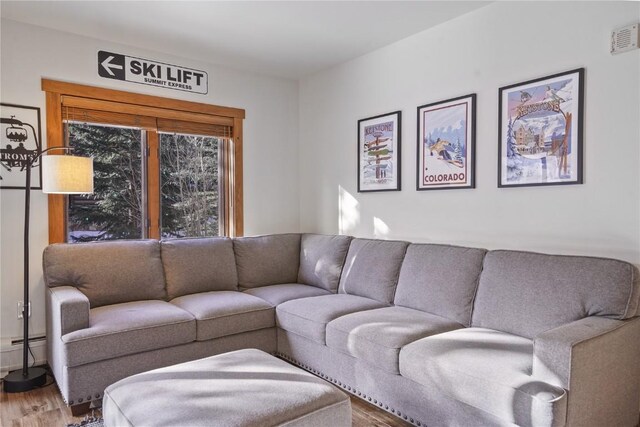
(287, 39)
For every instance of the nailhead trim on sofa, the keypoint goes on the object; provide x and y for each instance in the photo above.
(352, 390)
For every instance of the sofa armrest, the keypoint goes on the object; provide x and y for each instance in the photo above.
(68, 309)
(596, 359)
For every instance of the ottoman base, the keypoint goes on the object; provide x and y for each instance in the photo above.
(240, 388)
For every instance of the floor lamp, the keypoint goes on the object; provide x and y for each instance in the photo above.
(61, 174)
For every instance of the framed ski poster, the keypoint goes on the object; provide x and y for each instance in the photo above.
(540, 131)
(379, 141)
(446, 144)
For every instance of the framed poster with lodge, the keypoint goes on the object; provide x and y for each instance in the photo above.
(379, 141)
(540, 131)
(446, 144)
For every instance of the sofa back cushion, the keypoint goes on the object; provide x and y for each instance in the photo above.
(527, 293)
(321, 260)
(440, 279)
(107, 272)
(371, 269)
(267, 260)
(199, 265)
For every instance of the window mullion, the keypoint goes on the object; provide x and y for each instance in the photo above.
(153, 184)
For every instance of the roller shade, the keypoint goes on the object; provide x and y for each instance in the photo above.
(178, 126)
(76, 114)
(76, 105)
(108, 118)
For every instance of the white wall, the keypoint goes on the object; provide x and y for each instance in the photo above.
(497, 45)
(30, 53)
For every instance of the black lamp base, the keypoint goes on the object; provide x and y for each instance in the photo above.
(16, 382)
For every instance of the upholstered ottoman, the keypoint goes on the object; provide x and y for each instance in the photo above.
(240, 388)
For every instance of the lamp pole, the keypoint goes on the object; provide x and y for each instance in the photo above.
(27, 378)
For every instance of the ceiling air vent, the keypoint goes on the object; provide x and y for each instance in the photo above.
(624, 39)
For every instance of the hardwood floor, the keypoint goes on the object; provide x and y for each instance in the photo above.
(44, 407)
(364, 414)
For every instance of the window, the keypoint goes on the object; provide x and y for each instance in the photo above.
(162, 168)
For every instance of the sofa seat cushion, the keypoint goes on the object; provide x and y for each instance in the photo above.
(277, 294)
(376, 336)
(487, 369)
(128, 328)
(308, 317)
(221, 313)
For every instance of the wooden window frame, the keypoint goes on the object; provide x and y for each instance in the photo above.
(118, 107)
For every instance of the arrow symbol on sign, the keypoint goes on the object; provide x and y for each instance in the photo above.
(107, 65)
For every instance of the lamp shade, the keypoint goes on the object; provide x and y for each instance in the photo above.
(67, 174)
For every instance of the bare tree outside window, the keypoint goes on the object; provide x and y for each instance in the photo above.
(189, 185)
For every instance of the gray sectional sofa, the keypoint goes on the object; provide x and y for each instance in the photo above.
(435, 334)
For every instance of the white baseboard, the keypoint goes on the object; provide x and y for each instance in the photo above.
(11, 356)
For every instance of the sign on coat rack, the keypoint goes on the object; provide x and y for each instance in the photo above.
(20, 139)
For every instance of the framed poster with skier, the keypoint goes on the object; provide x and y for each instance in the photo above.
(379, 140)
(540, 131)
(446, 144)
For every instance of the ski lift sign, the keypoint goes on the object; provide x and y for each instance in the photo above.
(540, 125)
(145, 71)
(19, 141)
